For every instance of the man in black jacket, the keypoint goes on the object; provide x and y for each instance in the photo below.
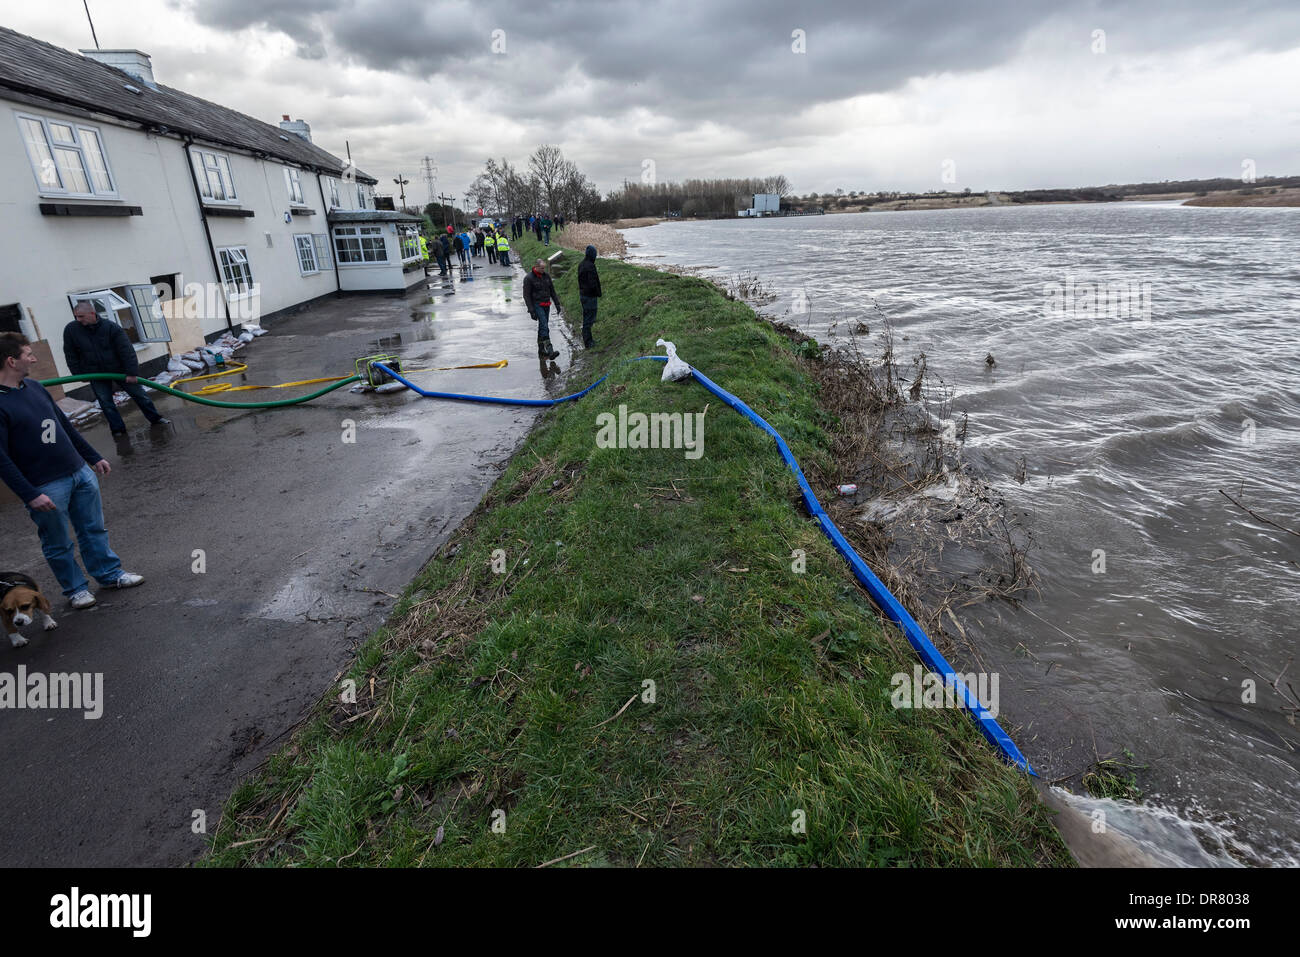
(90, 345)
(589, 293)
(539, 293)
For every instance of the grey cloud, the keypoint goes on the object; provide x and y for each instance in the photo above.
(685, 64)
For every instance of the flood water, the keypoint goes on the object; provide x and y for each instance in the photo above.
(1130, 410)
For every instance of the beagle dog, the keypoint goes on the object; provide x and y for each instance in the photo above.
(20, 602)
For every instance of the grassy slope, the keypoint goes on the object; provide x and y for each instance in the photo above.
(771, 688)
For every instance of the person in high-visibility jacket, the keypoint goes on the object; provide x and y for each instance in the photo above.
(424, 247)
(503, 249)
(490, 244)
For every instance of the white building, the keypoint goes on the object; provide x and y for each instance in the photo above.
(765, 204)
(152, 203)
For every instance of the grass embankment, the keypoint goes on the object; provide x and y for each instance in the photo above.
(523, 699)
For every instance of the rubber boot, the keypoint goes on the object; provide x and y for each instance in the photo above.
(545, 350)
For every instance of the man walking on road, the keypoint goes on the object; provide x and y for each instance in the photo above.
(444, 258)
(539, 293)
(589, 293)
(51, 468)
(94, 345)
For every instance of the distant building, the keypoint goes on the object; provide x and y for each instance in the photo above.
(765, 204)
(150, 204)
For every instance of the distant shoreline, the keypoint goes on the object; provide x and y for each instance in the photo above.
(1275, 196)
(1270, 196)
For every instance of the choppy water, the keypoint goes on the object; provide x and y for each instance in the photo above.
(1128, 426)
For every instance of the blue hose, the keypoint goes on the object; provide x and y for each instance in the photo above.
(494, 400)
(880, 594)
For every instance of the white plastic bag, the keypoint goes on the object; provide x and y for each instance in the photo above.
(674, 369)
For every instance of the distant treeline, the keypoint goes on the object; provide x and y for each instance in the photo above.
(1113, 192)
(692, 197)
(1076, 194)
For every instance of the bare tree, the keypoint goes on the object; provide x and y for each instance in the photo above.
(547, 166)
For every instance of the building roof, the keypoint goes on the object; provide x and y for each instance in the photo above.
(35, 68)
(371, 216)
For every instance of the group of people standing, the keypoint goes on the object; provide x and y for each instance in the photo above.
(483, 241)
(539, 226)
(490, 241)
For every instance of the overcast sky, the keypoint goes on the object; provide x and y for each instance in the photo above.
(1003, 94)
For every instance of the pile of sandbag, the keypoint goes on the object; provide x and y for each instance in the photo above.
(207, 358)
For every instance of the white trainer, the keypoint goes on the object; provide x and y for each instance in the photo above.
(82, 599)
(128, 580)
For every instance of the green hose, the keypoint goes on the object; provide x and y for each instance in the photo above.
(119, 377)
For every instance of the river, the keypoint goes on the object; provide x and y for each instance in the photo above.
(1145, 357)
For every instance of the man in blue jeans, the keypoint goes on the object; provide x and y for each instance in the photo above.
(90, 345)
(48, 465)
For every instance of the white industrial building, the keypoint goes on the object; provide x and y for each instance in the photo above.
(152, 203)
(765, 204)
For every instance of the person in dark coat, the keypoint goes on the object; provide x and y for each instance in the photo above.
(589, 293)
(92, 345)
(539, 294)
(444, 243)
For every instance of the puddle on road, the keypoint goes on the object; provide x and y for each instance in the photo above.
(300, 599)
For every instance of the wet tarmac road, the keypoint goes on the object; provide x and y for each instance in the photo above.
(302, 534)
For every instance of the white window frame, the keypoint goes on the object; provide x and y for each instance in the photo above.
(334, 193)
(293, 184)
(146, 326)
(360, 234)
(411, 233)
(207, 164)
(303, 243)
(58, 188)
(323, 252)
(110, 303)
(231, 257)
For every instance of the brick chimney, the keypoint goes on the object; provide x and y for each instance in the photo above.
(133, 62)
(296, 127)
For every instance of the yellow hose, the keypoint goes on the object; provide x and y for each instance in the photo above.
(211, 375)
(214, 388)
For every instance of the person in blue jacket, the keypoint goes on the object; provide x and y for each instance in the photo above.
(50, 467)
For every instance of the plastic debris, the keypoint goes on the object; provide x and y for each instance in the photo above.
(674, 369)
